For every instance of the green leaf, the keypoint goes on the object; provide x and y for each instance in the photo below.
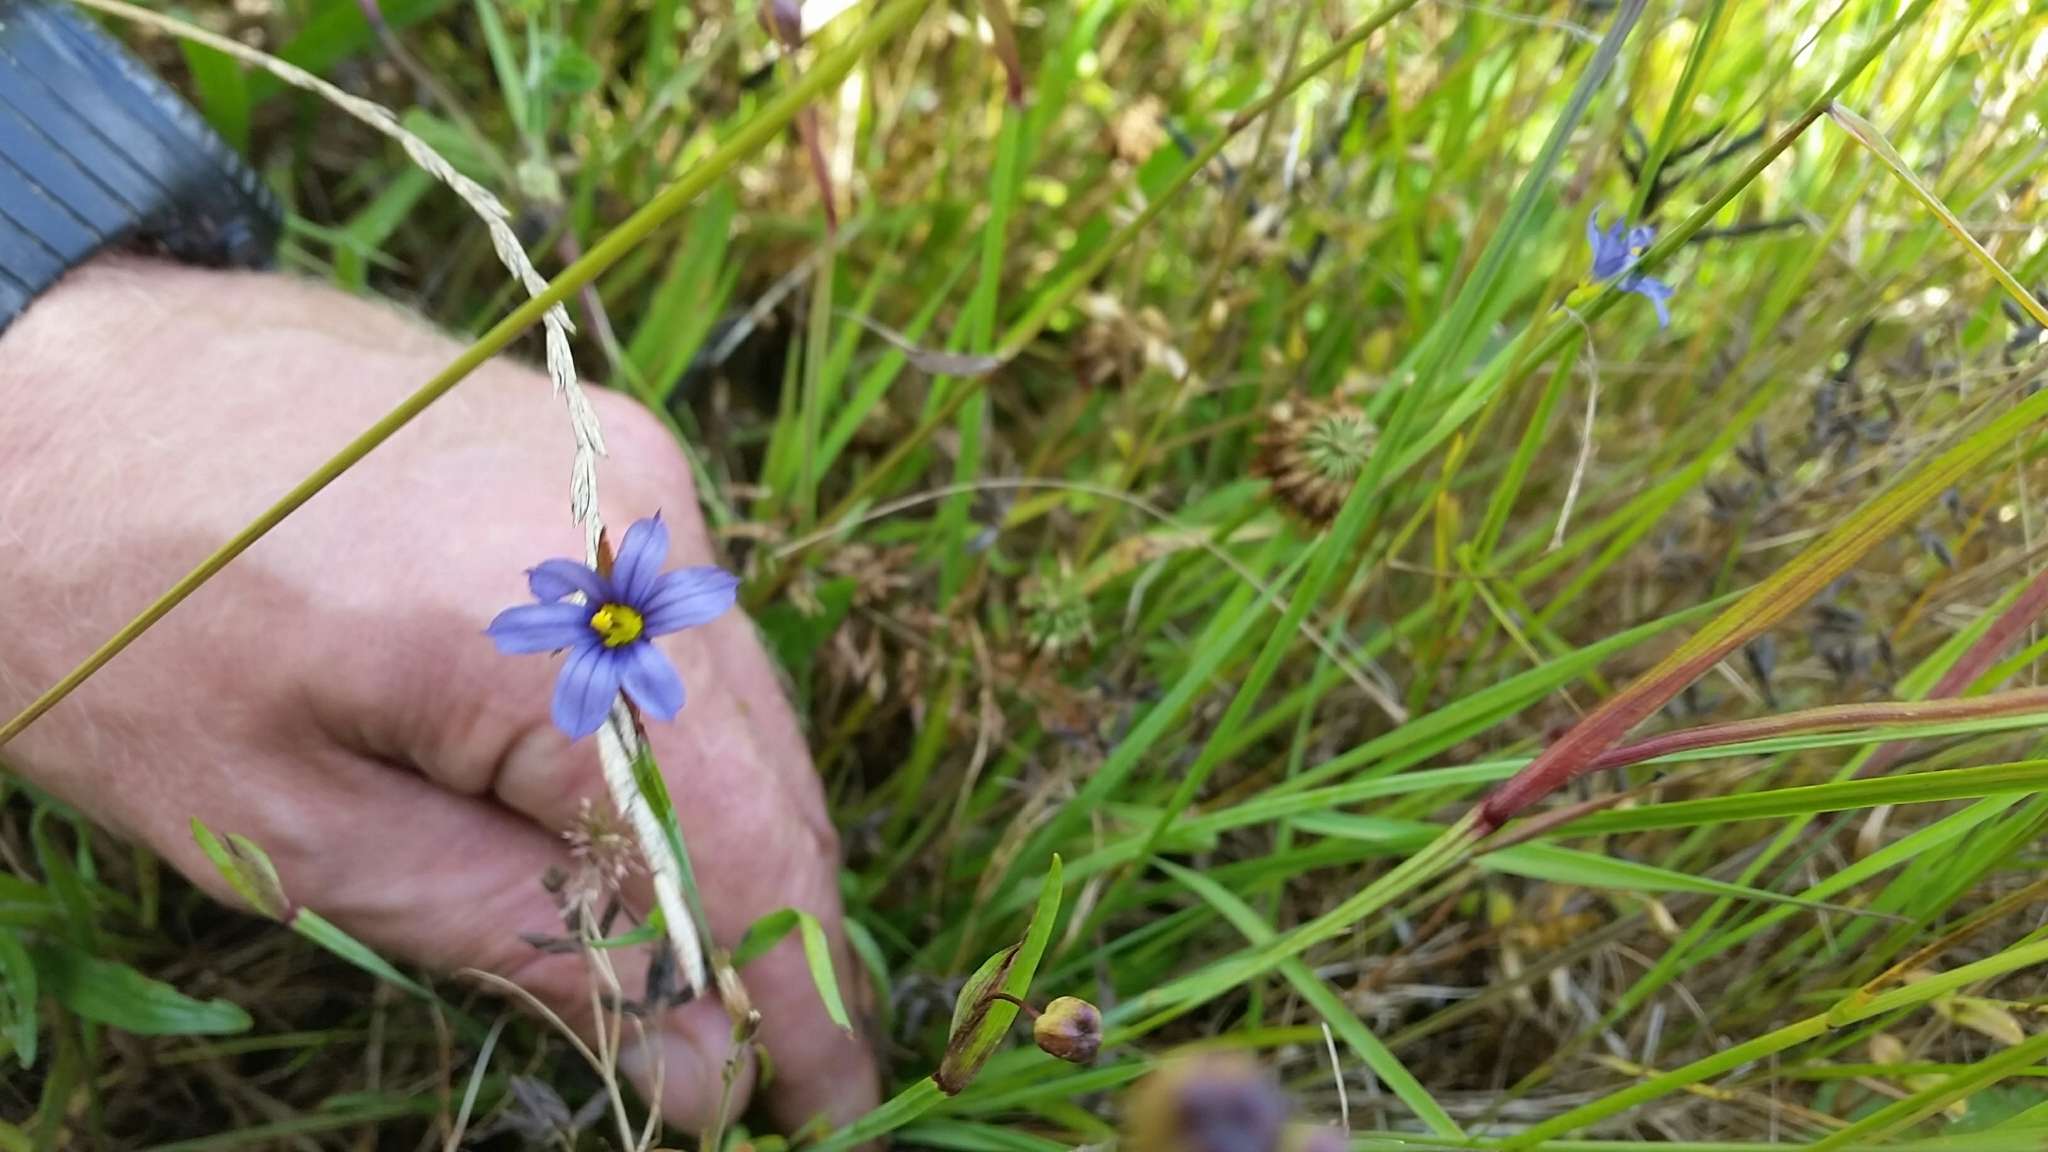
(1551, 862)
(473, 156)
(646, 932)
(111, 993)
(654, 789)
(223, 91)
(1561, 865)
(334, 31)
(18, 1009)
(363, 238)
(1326, 1003)
(1993, 1107)
(979, 1019)
(688, 302)
(323, 932)
(505, 62)
(914, 1101)
(25, 903)
(1867, 134)
(571, 71)
(74, 898)
(769, 930)
(965, 1054)
(796, 636)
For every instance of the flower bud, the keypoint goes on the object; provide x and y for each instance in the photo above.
(784, 20)
(1069, 1029)
(1206, 1102)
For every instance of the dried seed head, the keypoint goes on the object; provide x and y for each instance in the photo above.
(1312, 451)
(1056, 618)
(1118, 345)
(599, 841)
(602, 855)
(1069, 1029)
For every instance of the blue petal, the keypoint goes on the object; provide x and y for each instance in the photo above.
(553, 580)
(651, 680)
(585, 690)
(540, 628)
(1610, 247)
(641, 556)
(688, 597)
(1656, 292)
(1640, 238)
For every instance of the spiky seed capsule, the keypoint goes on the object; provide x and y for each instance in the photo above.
(1312, 451)
(1056, 618)
(1069, 1029)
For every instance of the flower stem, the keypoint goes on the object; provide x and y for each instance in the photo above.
(1029, 1012)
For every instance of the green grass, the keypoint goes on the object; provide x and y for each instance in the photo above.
(1052, 608)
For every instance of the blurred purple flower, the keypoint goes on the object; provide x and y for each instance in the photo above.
(609, 634)
(1614, 254)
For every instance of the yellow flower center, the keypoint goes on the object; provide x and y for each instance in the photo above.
(616, 624)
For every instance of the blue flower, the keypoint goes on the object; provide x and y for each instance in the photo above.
(1615, 251)
(609, 633)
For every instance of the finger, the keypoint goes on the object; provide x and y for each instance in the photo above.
(821, 1070)
(759, 843)
(453, 882)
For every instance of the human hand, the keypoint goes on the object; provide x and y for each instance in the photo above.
(331, 695)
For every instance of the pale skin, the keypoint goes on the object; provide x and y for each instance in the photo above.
(331, 694)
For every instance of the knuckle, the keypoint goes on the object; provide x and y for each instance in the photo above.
(822, 838)
(632, 431)
(649, 462)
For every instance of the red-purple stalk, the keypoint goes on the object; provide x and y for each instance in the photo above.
(1973, 663)
(1579, 751)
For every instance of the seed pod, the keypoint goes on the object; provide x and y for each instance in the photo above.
(968, 1044)
(1210, 1102)
(1069, 1029)
(1313, 450)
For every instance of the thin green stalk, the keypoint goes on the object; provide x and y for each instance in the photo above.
(1703, 43)
(980, 322)
(1850, 1011)
(1048, 303)
(1367, 496)
(1232, 221)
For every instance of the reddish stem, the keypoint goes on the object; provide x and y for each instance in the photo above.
(2016, 618)
(1554, 768)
